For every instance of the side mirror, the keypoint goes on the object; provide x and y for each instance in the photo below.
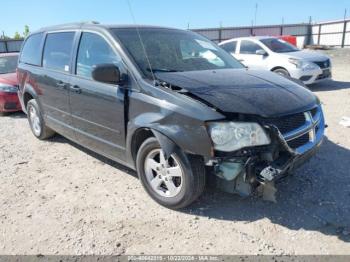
(261, 52)
(109, 74)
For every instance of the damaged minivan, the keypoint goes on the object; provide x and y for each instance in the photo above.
(168, 103)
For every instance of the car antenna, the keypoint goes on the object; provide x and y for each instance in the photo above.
(140, 38)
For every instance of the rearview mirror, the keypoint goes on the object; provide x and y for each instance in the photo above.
(109, 74)
(261, 52)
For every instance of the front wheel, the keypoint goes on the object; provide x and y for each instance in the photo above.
(174, 183)
(281, 71)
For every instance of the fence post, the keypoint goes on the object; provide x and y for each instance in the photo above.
(344, 32)
(319, 34)
(281, 30)
(220, 34)
(6, 47)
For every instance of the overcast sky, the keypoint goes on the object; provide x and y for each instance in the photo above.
(14, 14)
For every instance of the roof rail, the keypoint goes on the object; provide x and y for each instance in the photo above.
(72, 24)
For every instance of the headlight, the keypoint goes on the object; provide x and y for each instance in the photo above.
(231, 136)
(304, 65)
(298, 63)
(8, 88)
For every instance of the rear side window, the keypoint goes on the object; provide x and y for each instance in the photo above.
(94, 50)
(57, 51)
(230, 47)
(31, 52)
(249, 47)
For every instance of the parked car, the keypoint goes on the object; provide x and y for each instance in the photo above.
(168, 107)
(279, 56)
(8, 83)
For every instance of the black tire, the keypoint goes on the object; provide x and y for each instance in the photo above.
(3, 114)
(281, 71)
(44, 132)
(193, 170)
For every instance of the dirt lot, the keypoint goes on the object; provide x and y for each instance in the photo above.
(57, 198)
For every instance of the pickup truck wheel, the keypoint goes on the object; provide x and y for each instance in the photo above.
(36, 121)
(281, 71)
(174, 183)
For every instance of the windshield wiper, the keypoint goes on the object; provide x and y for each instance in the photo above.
(162, 70)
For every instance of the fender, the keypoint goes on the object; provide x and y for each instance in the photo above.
(166, 144)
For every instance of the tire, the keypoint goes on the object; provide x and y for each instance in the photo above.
(3, 113)
(36, 121)
(281, 71)
(188, 187)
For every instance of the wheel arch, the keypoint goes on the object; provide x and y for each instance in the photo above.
(28, 94)
(143, 133)
(278, 67)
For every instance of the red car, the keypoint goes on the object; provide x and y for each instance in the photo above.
(8, 83)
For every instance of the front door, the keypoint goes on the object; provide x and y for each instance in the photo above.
(97, 108)
(247, 55)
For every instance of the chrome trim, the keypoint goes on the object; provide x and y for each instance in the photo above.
(311, 123)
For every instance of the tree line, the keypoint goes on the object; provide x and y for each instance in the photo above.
(17, 35)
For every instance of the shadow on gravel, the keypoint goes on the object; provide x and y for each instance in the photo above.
(315, 198)
(60, 139)
(329, 85)
(15, 115)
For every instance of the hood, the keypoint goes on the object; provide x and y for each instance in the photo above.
(244, 91)
(9, 79)
(308, 56)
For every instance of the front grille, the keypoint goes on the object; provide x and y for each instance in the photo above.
(300, 141)
(288, 123)
(314, 111)
(323, 64)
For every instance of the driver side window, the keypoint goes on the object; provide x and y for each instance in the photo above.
(94, 50)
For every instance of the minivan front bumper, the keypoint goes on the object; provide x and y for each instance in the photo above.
(241, 172)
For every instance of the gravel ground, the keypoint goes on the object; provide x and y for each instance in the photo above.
(58, 198)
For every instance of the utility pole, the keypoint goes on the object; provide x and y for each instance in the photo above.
(345, 13)
(256, 12)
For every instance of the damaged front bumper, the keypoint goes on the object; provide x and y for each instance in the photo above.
(245, 170)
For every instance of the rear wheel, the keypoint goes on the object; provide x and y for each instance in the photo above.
(174, 183)
(36, 121)
(281, 71)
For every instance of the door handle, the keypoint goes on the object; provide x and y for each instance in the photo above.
(75, 89)
(241, 60)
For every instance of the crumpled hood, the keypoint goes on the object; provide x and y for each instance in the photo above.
(307, 55)
(244, 91)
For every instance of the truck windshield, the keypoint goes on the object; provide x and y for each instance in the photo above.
(8, 64)
(278, 45)
(171, 50)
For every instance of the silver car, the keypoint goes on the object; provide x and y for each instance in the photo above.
(277, 55)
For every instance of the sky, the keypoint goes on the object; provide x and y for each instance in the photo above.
(14, 14)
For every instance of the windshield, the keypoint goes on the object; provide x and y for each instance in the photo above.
(278, 45)
(8, 64)
(171, 50)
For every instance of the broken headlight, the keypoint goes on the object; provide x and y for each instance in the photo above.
(231, 136)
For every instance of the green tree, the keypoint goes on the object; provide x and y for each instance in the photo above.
(17, 36)
(26, 31)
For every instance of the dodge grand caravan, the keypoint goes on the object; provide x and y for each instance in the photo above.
(168, 103)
